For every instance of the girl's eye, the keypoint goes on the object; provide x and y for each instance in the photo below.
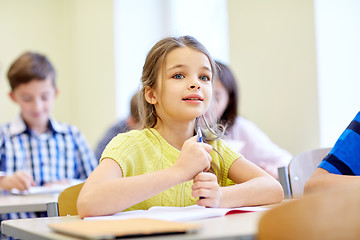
(204, 78)
(178, 76)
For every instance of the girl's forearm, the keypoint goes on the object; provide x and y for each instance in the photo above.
(122, 193)
(258, 191)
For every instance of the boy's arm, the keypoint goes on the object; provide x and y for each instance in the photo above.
(87, 161)
(322, 180)
(20, 180)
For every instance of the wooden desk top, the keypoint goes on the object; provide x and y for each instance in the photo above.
(25, 203)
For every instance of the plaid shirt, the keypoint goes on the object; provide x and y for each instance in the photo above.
(60, 153)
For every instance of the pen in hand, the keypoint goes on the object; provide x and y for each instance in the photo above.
(199, 135)
(199, 139)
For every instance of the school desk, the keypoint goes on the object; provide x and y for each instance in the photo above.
(237, 226)
(25, 203)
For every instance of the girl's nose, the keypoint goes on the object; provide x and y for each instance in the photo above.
(194, 86)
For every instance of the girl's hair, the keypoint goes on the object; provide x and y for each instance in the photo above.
(154, 62)
(227, 79)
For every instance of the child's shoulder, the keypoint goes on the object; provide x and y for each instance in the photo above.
(11, 128)
(1, 134)
(63, 127)
(357, 117)
(131, 140)
(222, 146)
(134, 138)
(132, 135)
(218, 142)
(4, 127)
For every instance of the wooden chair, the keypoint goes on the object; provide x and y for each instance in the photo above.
(327, 215)
(66, 204)
(301, 167)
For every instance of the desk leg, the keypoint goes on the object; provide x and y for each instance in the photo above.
(52, 209)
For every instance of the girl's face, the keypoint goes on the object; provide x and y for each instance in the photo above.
(184, 88)
(221, 97)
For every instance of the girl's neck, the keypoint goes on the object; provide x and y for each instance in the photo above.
(175, 134)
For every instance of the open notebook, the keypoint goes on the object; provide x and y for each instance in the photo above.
(53, 188)
(122, 228)
(154, 221)
(189, 213)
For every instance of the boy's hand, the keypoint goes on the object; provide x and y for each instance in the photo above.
(58, 182)
(206, 186)
(20, 180)
(194, 158)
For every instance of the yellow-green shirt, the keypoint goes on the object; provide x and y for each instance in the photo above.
(143, 151)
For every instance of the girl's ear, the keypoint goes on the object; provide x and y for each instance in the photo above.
(150, 96)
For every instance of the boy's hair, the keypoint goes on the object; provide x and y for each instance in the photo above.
(30, 66)
(227, 79)
(154, 62)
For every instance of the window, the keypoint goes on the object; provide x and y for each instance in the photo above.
(137, 29)
(338, 59)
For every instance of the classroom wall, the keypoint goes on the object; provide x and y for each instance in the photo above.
(272, 52)
(77, 36)
(94, 75)
(33, 26)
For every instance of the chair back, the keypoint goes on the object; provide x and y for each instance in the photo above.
(302, 166)
(333, 214)
(67, 200)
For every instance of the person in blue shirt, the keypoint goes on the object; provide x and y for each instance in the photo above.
(342, 165)
(35, 149)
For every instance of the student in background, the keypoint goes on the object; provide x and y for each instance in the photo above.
(165, 163)
(242, 134)
(35, 149)
(130, 123)
(342, 165)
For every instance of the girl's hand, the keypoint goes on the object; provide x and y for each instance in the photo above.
(194, 158)
(206, 185)
(20, 180)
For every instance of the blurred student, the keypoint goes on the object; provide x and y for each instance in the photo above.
(242, 134)
(175, 158)
(130, 123)
(342, 165)
(35, 149)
